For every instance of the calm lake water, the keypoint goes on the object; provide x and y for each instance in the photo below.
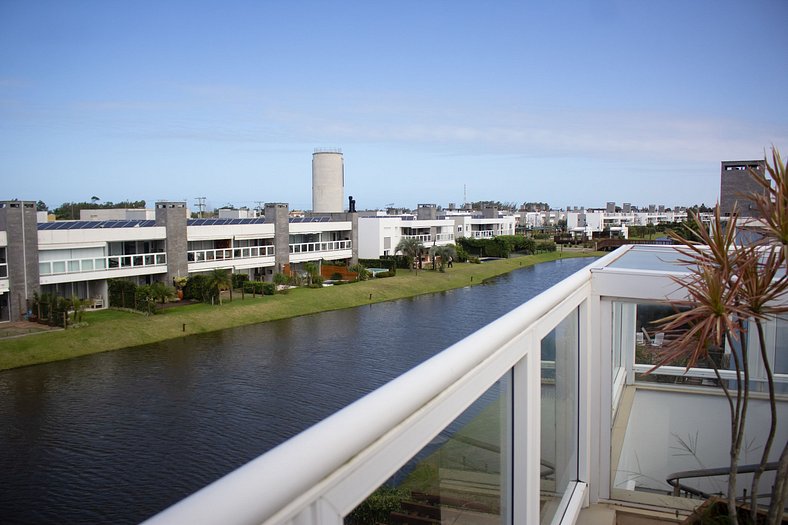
(119, 436)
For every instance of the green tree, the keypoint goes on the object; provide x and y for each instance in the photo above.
(411, 248)
(161, 292)
(312, 272)
(41, 206)
(444, 253)
(220, 280)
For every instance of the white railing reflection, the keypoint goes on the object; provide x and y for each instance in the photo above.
(444, 237)
(221, 254)
(94, 264)
(324, 246)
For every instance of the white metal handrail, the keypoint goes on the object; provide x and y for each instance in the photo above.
(323, 246)
(421, 237)
(220, 254)
(94, 264)
(482, 234)
(444, 237)
(327, 465)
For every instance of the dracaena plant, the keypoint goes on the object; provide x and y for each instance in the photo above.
(731, 288)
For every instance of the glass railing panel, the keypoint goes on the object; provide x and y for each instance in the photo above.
(559, 413)
(44, 268)
(87, 265)
(4, 270)
(59, 267)
(459, 477)
(100, 264)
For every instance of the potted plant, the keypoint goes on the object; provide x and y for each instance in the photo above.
(732, 288)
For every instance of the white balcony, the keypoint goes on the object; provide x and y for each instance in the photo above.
(483, 234)
(332, 250)
(528, 420)
(238, 258)
(110, 266)
(425, 238)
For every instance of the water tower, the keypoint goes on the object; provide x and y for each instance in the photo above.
(328, 181)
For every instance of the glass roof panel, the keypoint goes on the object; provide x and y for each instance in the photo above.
(659, 258)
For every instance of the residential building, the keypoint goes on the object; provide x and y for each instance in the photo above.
(77, 258)
(379, 234)
(736, 181)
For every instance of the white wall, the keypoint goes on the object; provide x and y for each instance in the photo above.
(660, 419)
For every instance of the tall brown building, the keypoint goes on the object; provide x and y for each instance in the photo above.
(737, 182)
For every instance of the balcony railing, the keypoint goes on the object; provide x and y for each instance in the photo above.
(431, 238)
(325, 246)
(222, 254)
(422, 238)
(483, 234)
(110, 262)
(334, 465)
(3, 270)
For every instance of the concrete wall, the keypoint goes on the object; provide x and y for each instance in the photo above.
(172, 215)
(277, 213)
(18, 220)
(736, 181)
(328, 181)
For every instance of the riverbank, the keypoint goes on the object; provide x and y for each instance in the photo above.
(112, 329)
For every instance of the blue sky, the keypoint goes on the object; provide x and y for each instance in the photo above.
(573, 103)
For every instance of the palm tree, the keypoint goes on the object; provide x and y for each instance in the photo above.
(161, 292)
(411, 248)
(444, 253)
(220, 280)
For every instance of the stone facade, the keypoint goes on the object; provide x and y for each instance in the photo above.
(172, 215)
(278, 214)
(18, 220)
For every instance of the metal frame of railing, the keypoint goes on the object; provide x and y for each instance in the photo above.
(321, 246)
(100, 264)
(322, 474)
(221, 254)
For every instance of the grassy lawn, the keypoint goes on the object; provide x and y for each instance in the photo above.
(112, 329)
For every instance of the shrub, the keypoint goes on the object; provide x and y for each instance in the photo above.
(545, 246)
(121, 293)
(198, 287)
(239, 279)
(259, 287)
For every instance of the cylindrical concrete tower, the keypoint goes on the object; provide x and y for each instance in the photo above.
(328, 181)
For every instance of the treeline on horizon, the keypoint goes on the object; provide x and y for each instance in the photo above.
(70, 210)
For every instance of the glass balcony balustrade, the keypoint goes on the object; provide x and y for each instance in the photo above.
(528, 420)
(221, 254)
(111, 262)
(322, 246)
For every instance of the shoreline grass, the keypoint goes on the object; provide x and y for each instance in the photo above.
(113, 329)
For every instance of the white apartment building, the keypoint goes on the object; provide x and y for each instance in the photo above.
(76, 258)
(379, 234)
